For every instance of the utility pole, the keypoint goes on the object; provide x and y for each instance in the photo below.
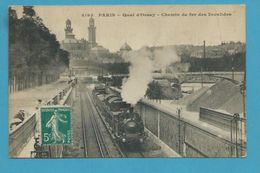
(102, 72)
(204, 49)
(232, 68)
(179, 128)
(201, 68)
(243, 124)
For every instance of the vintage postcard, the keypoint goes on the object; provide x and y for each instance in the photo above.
(127, 81)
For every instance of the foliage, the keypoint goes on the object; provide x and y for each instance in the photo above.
(154, 90)
(225, 63)
(117, 68)
(32, 45)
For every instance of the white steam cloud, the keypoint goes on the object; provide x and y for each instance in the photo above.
(142, 63)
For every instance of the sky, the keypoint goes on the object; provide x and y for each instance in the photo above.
(146, 30)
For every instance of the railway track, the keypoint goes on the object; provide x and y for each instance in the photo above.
(104, 151)
(121, 149)
(83, 129)
(134, 154)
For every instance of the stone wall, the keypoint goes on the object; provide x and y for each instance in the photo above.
(184, 137)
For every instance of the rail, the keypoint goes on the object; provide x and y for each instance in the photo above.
(120, 149)
(83, 129)
(104, 151)
(122, 154)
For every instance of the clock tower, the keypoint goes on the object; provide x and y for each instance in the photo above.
(92, 33)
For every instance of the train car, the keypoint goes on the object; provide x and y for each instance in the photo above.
(125, 124)
(100, 88)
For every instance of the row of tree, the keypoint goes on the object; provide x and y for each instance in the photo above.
(236, 62)
(32, 47)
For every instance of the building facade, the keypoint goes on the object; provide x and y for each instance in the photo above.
(78, 49)
(81, 48)
(92, 33)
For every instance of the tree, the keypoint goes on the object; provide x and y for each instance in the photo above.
(64, 57)
(13, 22)
(32, 45)
(28, 11)
(154, 91)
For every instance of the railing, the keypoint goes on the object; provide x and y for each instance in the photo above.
(62, 98)
(21, 134)
(234, 123)
(19, 137)
(216, 118)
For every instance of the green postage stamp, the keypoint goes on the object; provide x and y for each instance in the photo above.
(55, 125)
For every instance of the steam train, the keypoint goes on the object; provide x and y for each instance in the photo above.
(125, 124)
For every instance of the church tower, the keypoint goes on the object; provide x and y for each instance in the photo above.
(68, 30)
(92, 33)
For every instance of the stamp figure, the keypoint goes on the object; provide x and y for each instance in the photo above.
(56, 128)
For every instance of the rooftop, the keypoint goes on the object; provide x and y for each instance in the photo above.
(125, 46)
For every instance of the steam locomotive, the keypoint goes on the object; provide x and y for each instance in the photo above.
(125, 124)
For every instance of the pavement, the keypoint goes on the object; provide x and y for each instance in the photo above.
(28, 99)
(26, 151)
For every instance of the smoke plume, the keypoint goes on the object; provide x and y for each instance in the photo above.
(142, 64)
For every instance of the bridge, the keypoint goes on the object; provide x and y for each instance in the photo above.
(239, 76)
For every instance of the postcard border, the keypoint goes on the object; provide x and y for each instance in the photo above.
(183, 165)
